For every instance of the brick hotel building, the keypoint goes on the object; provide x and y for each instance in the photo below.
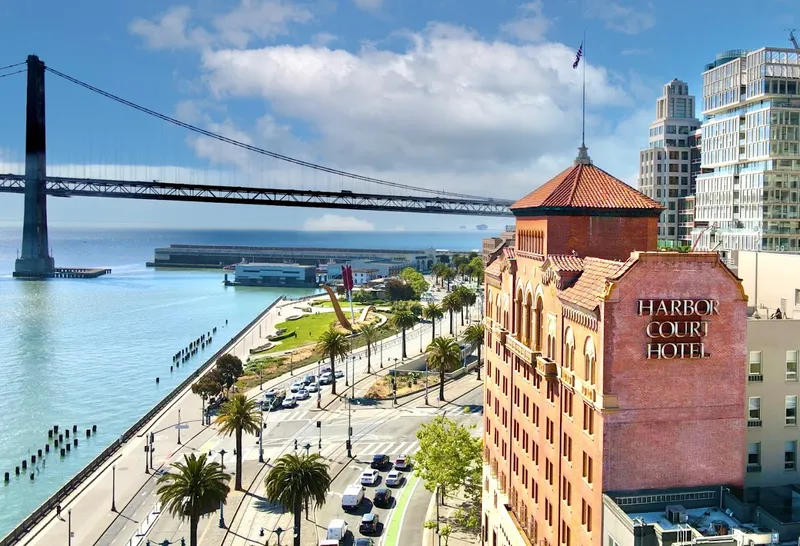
(610, 367)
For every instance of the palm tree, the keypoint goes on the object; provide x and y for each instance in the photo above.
(448, 275)
(473, 335)
(195, 490)
(333, 344)
(433, 312)
(369, 334)
(438, 270)
(444, 355)
(294, 482)
(450, 304)
(468, 298)
(236, 416)
(404, 319)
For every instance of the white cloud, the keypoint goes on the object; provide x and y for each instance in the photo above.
(620, 17)
(171, 30)
(531, 25)
(323, 39)
(335, 222)
(368, 5)
(177, 28)
(450, 104)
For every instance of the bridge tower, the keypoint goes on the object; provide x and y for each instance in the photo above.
(35, 260)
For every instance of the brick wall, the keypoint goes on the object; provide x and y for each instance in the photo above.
(680, 421)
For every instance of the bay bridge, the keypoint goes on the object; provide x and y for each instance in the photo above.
(35, 260)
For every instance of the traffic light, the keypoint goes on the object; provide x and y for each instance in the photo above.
(348, 445)
(295, 444)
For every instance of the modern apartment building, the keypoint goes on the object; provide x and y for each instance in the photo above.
(665, 166)
(591, 334)
(748, 194)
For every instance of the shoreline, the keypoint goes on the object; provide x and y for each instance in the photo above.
(239, 345)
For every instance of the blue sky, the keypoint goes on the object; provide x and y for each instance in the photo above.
(471, 96)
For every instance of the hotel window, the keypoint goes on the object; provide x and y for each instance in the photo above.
(790, 455)
(566, 538)
(548, 471)
(588, 419)
(586, 515)
(797, 297)
(567, 396)
(587, 468)
(791, 365)
(549, 430)
(754, 411)
(590, 374)
(566, 491)
(569, 350)
(755, 362)
(566, 447)
(791, 410)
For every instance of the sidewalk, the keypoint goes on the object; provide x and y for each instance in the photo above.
(457, 538)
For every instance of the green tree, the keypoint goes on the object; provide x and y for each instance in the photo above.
(236, 416)
(398, 290)
(416, 308)
(230, 369)
(369, 333)
(416, 280)
(433, 312)
(333, 344)
(448, 275)
(450, 304)
(437, 271)
(448, 454)
(207, 386)
(467, 298)
(473, 335)
(476, 269)
(297, 481)
(195, 490)
(444, 355)
(404, 319)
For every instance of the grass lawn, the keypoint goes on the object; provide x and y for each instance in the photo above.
(308, 330)
(344, 304)
(382, 388)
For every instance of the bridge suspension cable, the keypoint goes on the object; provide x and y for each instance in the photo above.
(256, 149)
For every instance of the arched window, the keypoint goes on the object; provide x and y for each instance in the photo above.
(589, 359)
(528, 319)
(518, 314)
(539, 325)
(551, 337)
(569, 350)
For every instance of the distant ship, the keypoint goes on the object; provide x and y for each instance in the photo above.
(481, 227)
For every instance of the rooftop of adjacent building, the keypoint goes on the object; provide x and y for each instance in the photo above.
(275, 264)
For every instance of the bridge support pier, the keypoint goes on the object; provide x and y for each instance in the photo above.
(35, 260)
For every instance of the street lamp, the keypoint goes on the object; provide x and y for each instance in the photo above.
(426, 382)
(113, 488)
(278, 531)
(381, 353)
(152, 449)
(394, 382)
(307, 447)
(261, 436)
(221, 515)
(69, 527)
(179, 426)
(222, 453)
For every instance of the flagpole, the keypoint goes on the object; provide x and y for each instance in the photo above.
(583, 115)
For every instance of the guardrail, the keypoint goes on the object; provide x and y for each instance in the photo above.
(59, 496)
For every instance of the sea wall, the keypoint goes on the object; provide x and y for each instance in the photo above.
(239, 345)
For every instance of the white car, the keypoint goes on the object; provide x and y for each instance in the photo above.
(339, 374)
(289, 402)
(297, 386)
(395, 477)
(302, 394)
(370, 477)
(326, 378)
(313, 387)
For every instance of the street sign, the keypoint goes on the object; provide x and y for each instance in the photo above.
(182, 425)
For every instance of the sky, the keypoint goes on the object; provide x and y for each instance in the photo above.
(471, 96)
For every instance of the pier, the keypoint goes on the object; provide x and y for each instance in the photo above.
(64, 273)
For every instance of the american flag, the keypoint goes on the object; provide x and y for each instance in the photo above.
(578, 57)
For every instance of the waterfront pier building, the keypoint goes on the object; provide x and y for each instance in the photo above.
(611, 367)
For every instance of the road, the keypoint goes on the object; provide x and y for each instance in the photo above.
(377, 427)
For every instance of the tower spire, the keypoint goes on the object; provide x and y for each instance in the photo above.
(583, 152)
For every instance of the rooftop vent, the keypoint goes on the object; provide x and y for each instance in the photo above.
(676, 513)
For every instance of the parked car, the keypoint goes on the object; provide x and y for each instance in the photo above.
(402, 463)
(370, 523)
(370, 477)
(394, 478)
(337, 530)
(379, 460)
(289, 402)
(352, 497)
(383, 497)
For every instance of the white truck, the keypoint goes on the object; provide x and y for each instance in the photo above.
(337, 531)
(352, 497)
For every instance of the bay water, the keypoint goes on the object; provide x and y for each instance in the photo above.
(87, 352)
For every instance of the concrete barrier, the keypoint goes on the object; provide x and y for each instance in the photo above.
(59, 496)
